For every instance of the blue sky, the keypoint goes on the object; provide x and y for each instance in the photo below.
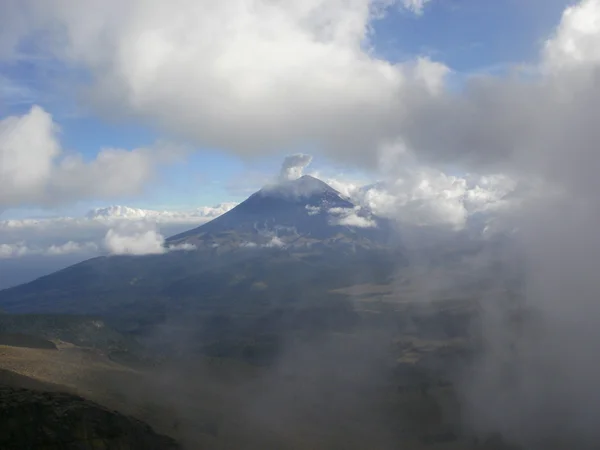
(469, 36)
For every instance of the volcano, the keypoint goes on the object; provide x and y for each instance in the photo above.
(294, 214)
(298, 233)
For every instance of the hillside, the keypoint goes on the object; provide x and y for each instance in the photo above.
(50, 420)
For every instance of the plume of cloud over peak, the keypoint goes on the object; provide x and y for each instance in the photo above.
(293, 166)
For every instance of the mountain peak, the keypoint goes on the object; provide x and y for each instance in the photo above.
(299, 212)
(301, 188)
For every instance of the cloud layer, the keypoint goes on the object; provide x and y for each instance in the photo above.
(114, 229)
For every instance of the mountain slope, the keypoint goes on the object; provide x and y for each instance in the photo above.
(294, 213)
(293, 242)
(53, 420)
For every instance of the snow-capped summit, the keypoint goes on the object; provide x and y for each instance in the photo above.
(306, 189)
(294, 211)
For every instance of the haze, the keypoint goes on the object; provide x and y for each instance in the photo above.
(419, 171)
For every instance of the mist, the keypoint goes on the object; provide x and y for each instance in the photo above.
(498, 317)
(535, 382)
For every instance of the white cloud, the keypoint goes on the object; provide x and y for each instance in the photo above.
(72, 247)
(293, 166)
(539, 128)
(275, 242)
(20, 249)
(353, 220)
(28, 147)
(286, 73)
(87, 235)
(576, 39)
(35, 171)
(350, 217)
(199, 215)
(134, 239)
(13, 250)
(185, 247)
(312, 210)
(139, 238)
(280, 74)
(415, 6)
(422, 196)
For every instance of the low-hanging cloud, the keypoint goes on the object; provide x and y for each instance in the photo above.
(20, 249)
(536, 378)
(139, 238)
(350, 217)
(48, 237)
(134, 239)
(30, 248)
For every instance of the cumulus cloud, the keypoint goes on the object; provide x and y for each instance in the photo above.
(293, 166)
(423, 196)
(35, 171)
(281, 74)
(576, 39)
(134, 239)
(139, 238)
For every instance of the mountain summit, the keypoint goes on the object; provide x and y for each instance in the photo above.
(294, 213)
